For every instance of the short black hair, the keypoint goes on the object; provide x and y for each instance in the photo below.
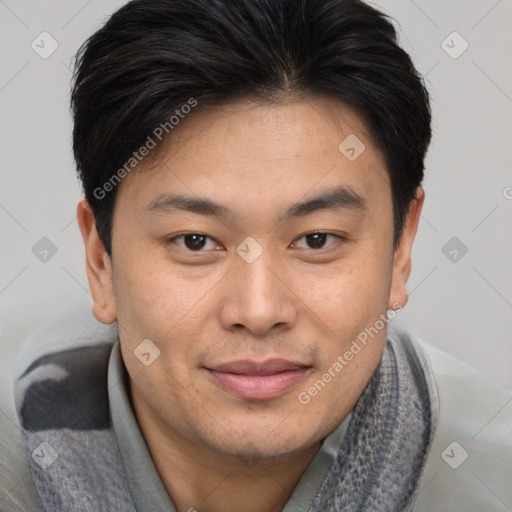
(152, 57)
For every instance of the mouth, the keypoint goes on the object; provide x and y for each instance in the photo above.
(250, 380)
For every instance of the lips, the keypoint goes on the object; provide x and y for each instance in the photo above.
(251, 380)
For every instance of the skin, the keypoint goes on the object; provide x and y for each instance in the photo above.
(214, 450)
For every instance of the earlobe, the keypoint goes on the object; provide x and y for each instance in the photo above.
(98, 266)
(398, 295)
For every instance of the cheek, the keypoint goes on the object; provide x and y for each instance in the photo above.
(160, 388)
(150, 297)
(351, 293)
(158, 304)
(347, 307)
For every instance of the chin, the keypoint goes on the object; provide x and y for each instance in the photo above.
(250, 447)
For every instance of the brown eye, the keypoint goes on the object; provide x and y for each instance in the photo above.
(193, 242)
(318, 240)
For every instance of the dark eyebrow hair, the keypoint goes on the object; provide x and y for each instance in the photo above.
(341, 197)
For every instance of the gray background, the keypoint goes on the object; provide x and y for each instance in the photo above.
(462, 306)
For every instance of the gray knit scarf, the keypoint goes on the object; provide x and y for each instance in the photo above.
(62, 402)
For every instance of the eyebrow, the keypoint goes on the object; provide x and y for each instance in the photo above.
(330, 199)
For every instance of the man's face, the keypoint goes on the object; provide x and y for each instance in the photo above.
(254, 284)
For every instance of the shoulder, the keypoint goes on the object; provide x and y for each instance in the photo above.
(17, 491)
(62, 334)
(469, 466)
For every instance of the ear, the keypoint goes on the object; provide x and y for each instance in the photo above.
(98, 266)
(398, 295)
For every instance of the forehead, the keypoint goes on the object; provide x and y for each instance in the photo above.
(248, 153)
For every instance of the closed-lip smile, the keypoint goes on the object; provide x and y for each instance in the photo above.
(252, 380)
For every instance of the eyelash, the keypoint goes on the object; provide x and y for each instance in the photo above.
(339, 239)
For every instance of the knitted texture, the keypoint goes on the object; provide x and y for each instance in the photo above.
(379, 464)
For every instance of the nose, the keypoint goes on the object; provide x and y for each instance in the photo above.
(258, 297)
